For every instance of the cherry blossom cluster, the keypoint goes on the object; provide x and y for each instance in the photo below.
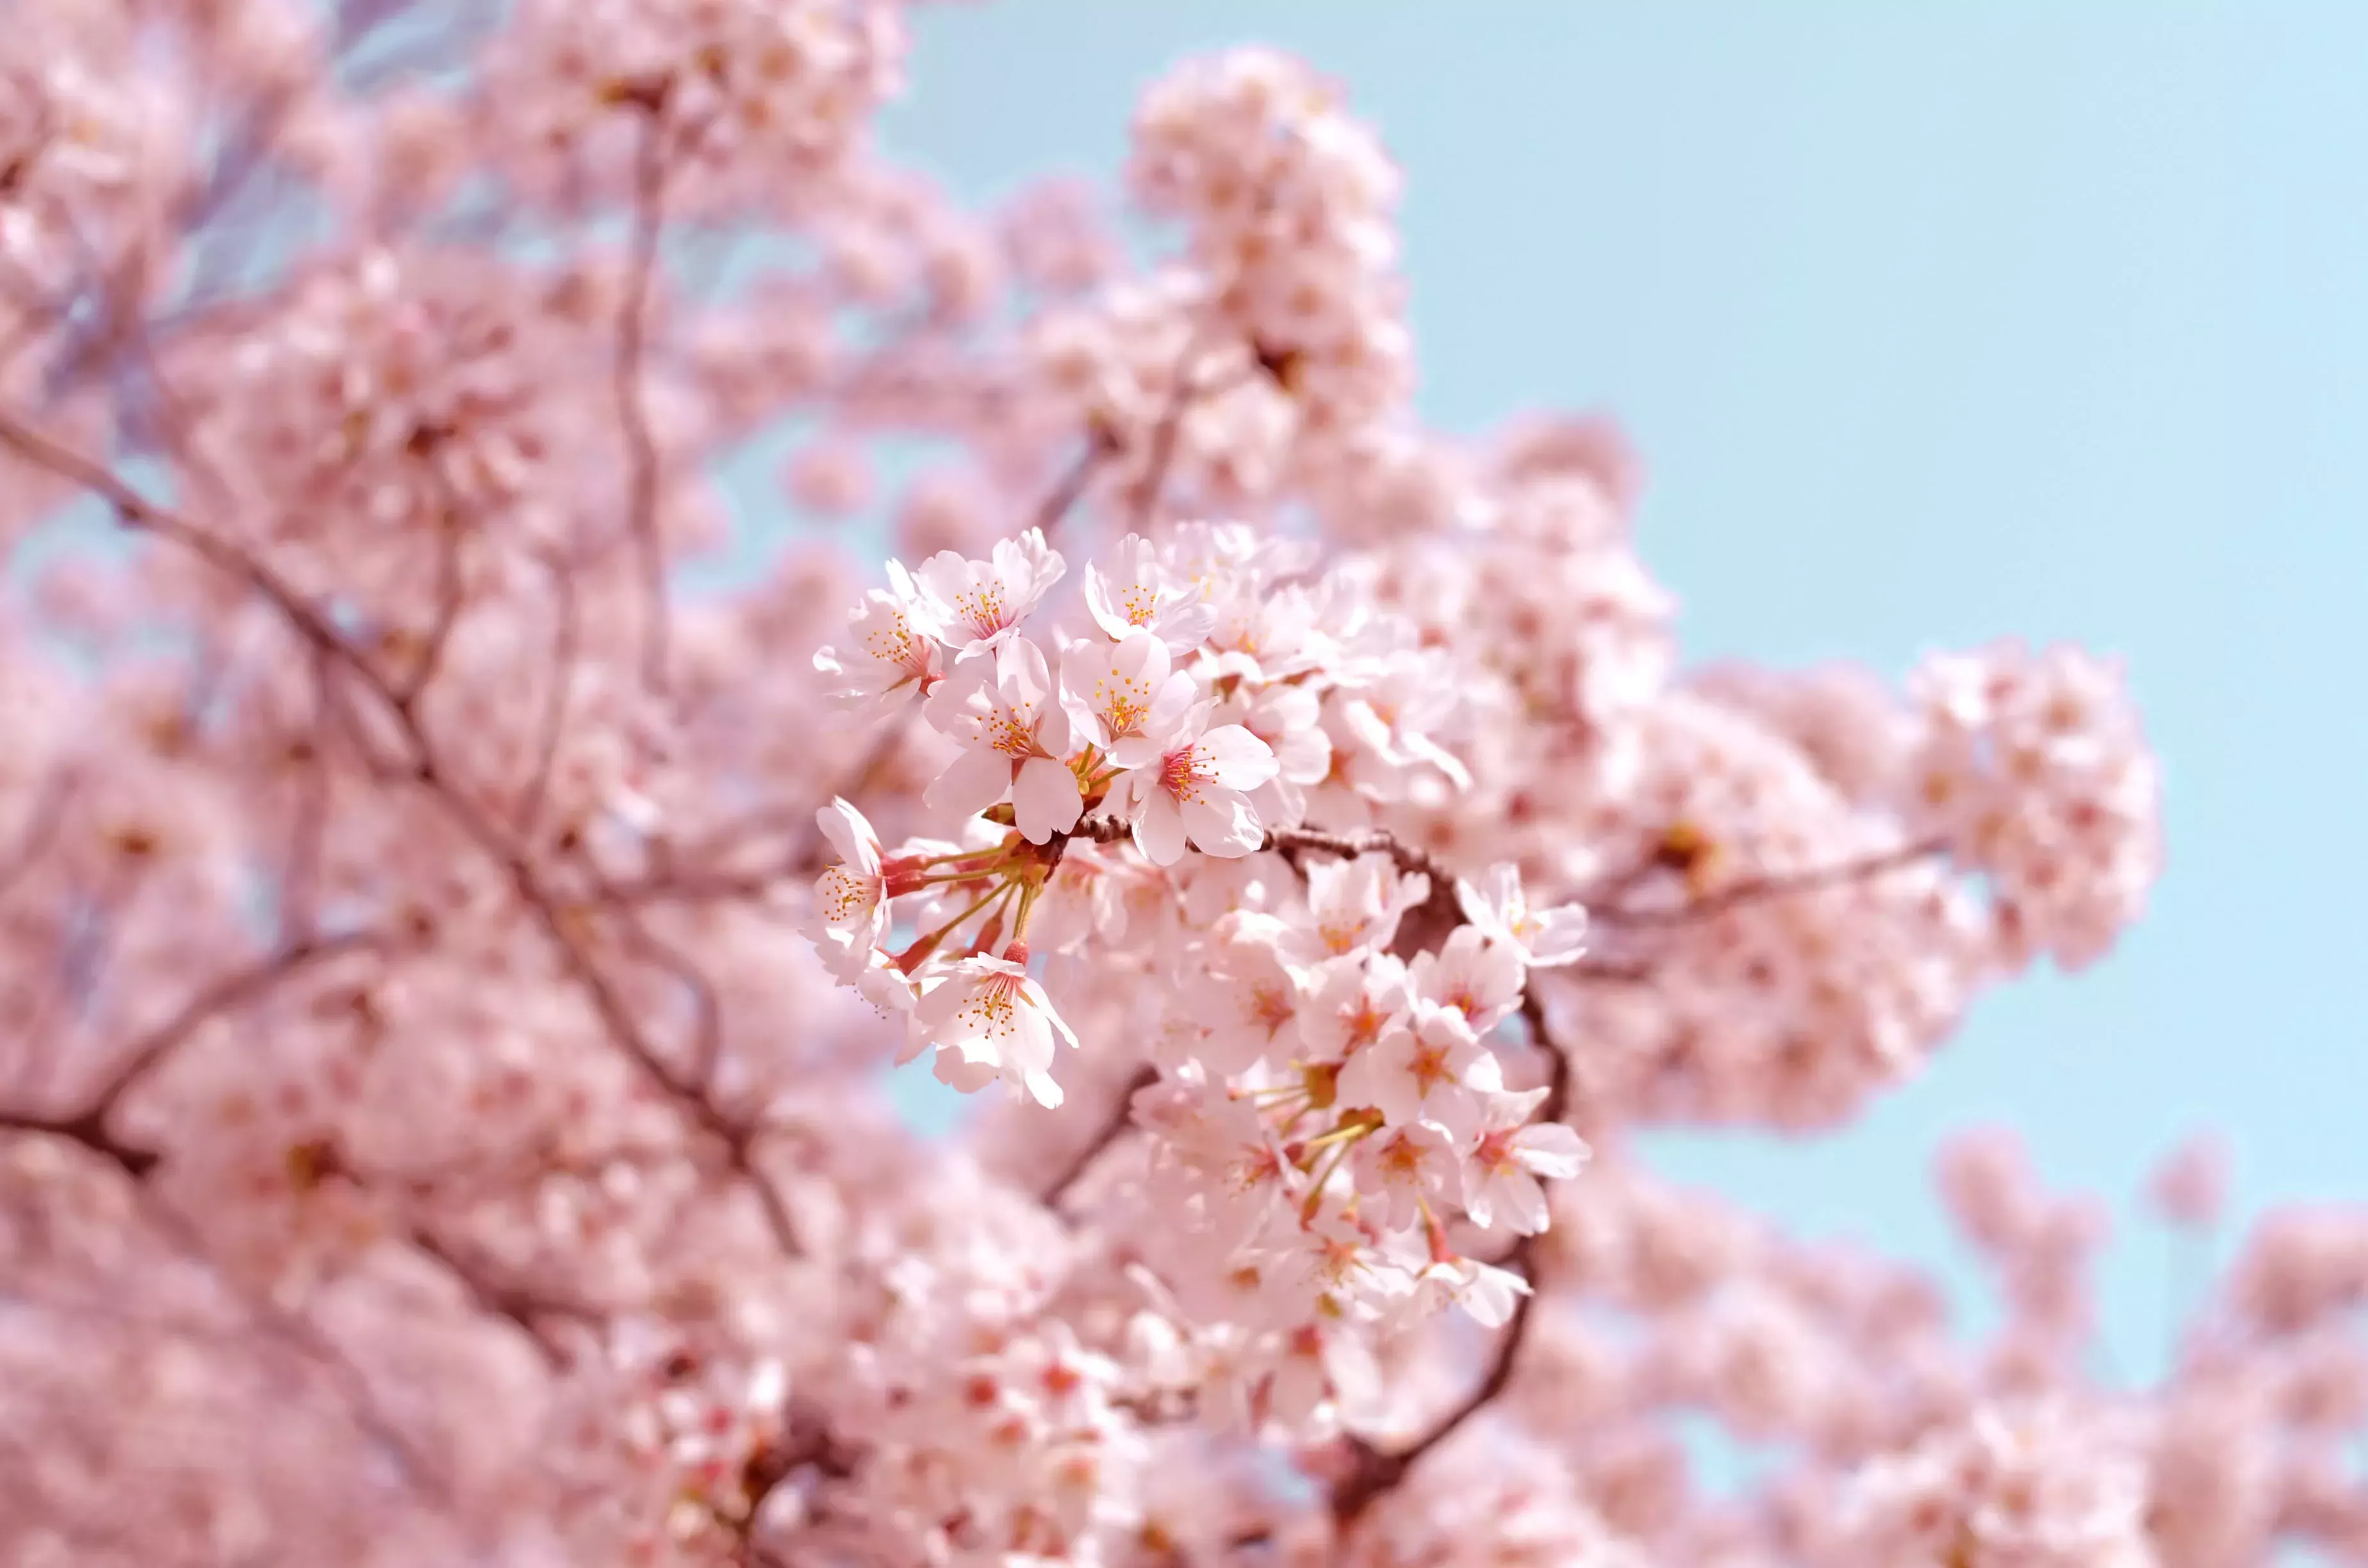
(460, 930)
(1196, 696)
(739, 103)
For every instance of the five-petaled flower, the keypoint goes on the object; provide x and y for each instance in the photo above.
(975, 606)
(1498, 907)
(1196, 789)
(987, 1019)
(1015, 741)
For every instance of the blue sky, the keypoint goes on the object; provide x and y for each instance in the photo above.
(1934, 323)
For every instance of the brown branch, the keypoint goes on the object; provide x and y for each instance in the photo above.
(1113, 1128)
(234, 990)
(707, 1015)
(564, 635)
(91, 1133)
(1100, 447)
(309, 823)
(136, 512)
(1374, 1474)
(450, 599)
(1752, 890)
(526, 1309)
(1181, 392)
(426, 771)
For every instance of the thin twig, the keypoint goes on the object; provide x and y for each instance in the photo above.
(1375, 1473)
(554, 700)
(41, 828)
(525, 1309)
(1113, 1128)
(234, 990)
(1098, 449)
(1180, 395)
(1752, 890)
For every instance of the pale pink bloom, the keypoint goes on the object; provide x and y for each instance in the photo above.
(1249, 1006)
(1351, 904)
(1217, 1159)
(986, 1019)
(1322, 1361)
(1501, 1172)
(1472, 975)
(974, 606)
(1015, 738)
(1354, 1004)
(1402, 1167)
(1329, 1257)
(1265, 638)
(1487, 1293)
(1431, 1069)
(1289, 719)
(893, 653)
(1212, 555)
(2191, 1186)
(850, 907)
(1498, 907)
(1123, 697)
(1196, 789)
(1390, 720)
(1142, 593)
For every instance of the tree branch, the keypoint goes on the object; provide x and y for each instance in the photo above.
(1374, 1474)
(1114, 1126)
(1752, 890)
(234, 990)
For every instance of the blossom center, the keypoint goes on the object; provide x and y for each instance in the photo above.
(1180, 774)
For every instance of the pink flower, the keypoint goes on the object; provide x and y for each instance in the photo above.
(1123, 695)
(1249, 1006)
(1486, 1292)
(1501, 1172)
(850, 907)
(974, 606)
(1401, 1168)
(1140, 593)
(986, 1019)
(1015, 739)
(1196, 789)
(893, 654)
(1351, 904)
(1432, 1069)
(1497, 907)
(1472, 975)
(1354, 1005)
(2191, 1186)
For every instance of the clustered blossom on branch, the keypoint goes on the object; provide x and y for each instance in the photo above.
(452, 958)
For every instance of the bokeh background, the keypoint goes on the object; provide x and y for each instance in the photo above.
(1933, 322)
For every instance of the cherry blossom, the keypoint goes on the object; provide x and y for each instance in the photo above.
(1497, 907)
(1195, 790)
(1002, 707)
(974, 607)
(468, 875)
(987, 1019)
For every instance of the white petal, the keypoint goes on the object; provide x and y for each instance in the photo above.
(1022, 676)
(1551, 1150)
(1159, 829)
(1234, 757)
(1222, 823)
(850, 834)
(1045, 799)
(971, 783)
